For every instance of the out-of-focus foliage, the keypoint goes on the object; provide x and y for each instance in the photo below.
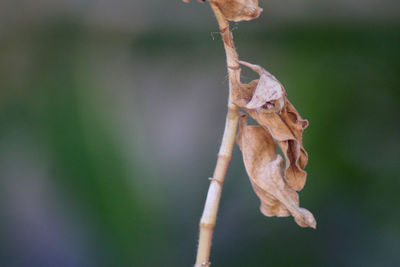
(105, 150)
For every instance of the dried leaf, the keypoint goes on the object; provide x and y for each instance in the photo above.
(266, 171)
(269, 92)
(239, 10)
(265, 100)
(292, 148)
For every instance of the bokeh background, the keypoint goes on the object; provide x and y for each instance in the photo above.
(111, 114)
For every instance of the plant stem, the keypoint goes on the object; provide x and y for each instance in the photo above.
(209, 216)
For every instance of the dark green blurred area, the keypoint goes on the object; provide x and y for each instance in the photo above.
(84, 181)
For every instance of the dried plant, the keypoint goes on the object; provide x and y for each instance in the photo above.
(274, 180)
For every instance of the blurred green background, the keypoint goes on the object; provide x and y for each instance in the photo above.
(111, 114)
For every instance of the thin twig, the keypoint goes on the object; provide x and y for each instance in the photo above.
(208, 218)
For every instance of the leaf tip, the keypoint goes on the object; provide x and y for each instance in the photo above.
(306, 219)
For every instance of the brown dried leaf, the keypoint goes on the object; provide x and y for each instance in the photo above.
(265, 94)
(266, 102)
(239, 10)
(266, 171)
(291, 146)
(269, 92)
